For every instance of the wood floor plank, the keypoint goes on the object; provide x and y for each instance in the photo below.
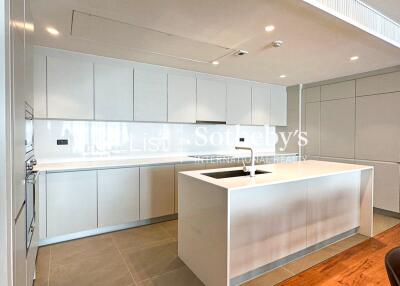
(362, 264)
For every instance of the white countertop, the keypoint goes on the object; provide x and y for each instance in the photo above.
(103, 163)
(280, 173)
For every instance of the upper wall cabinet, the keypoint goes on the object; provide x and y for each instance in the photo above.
(312, 94)
(39, 86)
(346, 89)
(338, 128)
(260, 104)
(238, 103)
(113, 92)
(278, 113)
(69, 88)
(181, 97)
(378, 84)
(150, 95)
(211, 99)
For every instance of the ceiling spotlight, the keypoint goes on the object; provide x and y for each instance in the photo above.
(354, 58)
(277, 44)
(283, 76)
(242, 53)
(269, 28)
(215, 63)
(52, 31)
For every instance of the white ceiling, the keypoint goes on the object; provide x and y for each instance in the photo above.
(390, 8)
(191, 33)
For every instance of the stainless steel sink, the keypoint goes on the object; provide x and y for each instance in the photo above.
(231, 174)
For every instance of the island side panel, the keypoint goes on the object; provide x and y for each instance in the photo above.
(267, 223)
(367, 202)
(203, 229)
(333, 206)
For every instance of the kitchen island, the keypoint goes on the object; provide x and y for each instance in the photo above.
(235, 228)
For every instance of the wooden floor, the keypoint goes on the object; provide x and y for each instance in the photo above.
(362, 264)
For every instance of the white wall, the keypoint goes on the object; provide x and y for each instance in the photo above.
(92, 139)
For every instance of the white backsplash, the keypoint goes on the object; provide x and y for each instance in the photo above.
(108, 140)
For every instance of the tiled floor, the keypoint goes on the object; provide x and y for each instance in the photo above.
(147, 256)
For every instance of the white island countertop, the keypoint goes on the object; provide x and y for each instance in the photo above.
(279, 173)
(120, 162)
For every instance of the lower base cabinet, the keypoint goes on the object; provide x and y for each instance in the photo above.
(71, 202)
(157, 191)
(118, 196)
(20, 249)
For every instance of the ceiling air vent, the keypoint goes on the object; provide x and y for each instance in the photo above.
(363, 17)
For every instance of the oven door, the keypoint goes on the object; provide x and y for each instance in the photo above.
(30, 206)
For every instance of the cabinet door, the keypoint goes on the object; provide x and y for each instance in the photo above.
(211, 99)
(118, 191)
(386, 185)
(183, 168)
(378, 127)
(384, 83)
(20, 249)
(181, 97)
(346, 89)
(312, 94)
(156, 191)
(69, 88)
(313, 112)
(39, 86)
(338, 128)
(238, 103)
(113, 92)
(278, 106)
(71, 202)
(150, 95)
(260, 105)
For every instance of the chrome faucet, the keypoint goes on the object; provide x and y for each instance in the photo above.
(252, 167)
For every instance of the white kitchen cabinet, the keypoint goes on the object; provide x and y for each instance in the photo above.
(211, 99)
(386, 184)
(71, 202)
(113, 92)
(150, 95)
(69, 88)
(312, 94)
(238, 103)
(333, 206)
(337, 128)
(345, 89)
(181, 97)
(378, 127)
(384, 83)
(183, 168)
(260, 104)
(278, 108)
(157, 191)
(39, 86)
(118, 196)
(42, 204)
(312, 127)
(20, 249)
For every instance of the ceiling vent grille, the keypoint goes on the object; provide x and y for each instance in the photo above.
(362, 16)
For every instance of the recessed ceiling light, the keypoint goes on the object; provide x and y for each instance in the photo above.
(269, 28)
(52, 31)
(283, 76)
(354, 58)
(215, 63)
